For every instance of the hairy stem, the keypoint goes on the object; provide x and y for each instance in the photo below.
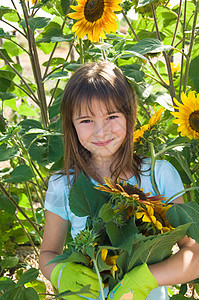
(190, 47)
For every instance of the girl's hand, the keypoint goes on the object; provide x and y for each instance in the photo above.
(135, 285)
(71, 276)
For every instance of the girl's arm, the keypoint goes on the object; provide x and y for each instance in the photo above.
(183, 266)
(53, 241)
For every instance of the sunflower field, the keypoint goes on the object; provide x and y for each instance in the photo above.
(42, 42)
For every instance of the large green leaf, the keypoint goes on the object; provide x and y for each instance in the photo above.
(36, 23)
(184, 213)
(19, 293)
(9, 262)
(47, 149)
(147, 46)
(133, 72)
(4, 10)
(122, 237)
(27, 276)
(153, 249)
(4, 84)
(19, 174)
(193, 72)
(7, 152)
(7, 205)
(6, 283)
(84, 199)
(144, 2)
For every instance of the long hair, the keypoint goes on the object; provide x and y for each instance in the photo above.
(103, 81)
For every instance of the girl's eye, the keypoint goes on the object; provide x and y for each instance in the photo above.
(112, 117)
(85, 121)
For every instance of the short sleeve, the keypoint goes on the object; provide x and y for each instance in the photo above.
(57, 195)
(168, 179)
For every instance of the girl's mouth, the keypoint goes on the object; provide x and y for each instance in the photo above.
(102, 143)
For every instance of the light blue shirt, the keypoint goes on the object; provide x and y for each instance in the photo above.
(168, 183)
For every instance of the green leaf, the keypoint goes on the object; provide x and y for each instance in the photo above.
(19, 293)
(65, 5)
(122, 237)
(9, 262)
(47, 149)
(4, 34)
(133, 71)
(193, 72)
(4, 84)
(57, 75)
(11, 48)
(78, 258)
(6, 283)
(102, 266)
(82, 195)
(30, 294)
(5, 53)
(106, 212)
(185, 213)
(7, 96)
(54, 109)
(7, 152)
(36, 23)
(7, 205)
(4, 10)
(147, 46)
(153, 249)
(20, 173)
(27, 111)
(27, 276)
(71, 67)
(144, 2)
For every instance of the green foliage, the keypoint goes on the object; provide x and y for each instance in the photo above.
(31, 144)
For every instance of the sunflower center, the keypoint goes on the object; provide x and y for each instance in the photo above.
(194, 120)
(93, 10)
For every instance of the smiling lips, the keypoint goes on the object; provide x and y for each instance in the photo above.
(102, 143)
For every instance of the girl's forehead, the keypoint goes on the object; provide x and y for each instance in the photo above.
(94, 107)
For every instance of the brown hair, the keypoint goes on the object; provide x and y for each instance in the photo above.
(103, 81)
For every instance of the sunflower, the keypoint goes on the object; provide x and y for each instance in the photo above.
(158, 220)
(129, 191)
(110, 261)
(95, 17)
(187, 115)
(155, 118)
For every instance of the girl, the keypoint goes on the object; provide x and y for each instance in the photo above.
(98, 113)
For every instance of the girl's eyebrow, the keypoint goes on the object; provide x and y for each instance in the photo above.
(86, 117)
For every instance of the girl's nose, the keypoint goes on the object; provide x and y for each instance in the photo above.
(101, 130)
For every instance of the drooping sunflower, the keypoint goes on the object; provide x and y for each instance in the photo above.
(155, 118)
(129, 191)
(188, 115)
(156, 216)
(95, 17)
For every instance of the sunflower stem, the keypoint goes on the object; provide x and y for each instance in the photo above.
(188, 61)
(153, 159)
(81, 51)
(99, 278)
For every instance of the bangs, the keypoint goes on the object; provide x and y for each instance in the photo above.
(102, 93)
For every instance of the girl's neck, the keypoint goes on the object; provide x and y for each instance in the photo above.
(102, 169)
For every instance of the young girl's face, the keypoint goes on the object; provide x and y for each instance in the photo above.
(99, 131)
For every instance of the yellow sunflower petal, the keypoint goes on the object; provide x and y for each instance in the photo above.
(95, 18)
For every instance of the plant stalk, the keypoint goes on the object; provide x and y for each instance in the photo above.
(99, 278)
(153, 159)
(190, 47)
